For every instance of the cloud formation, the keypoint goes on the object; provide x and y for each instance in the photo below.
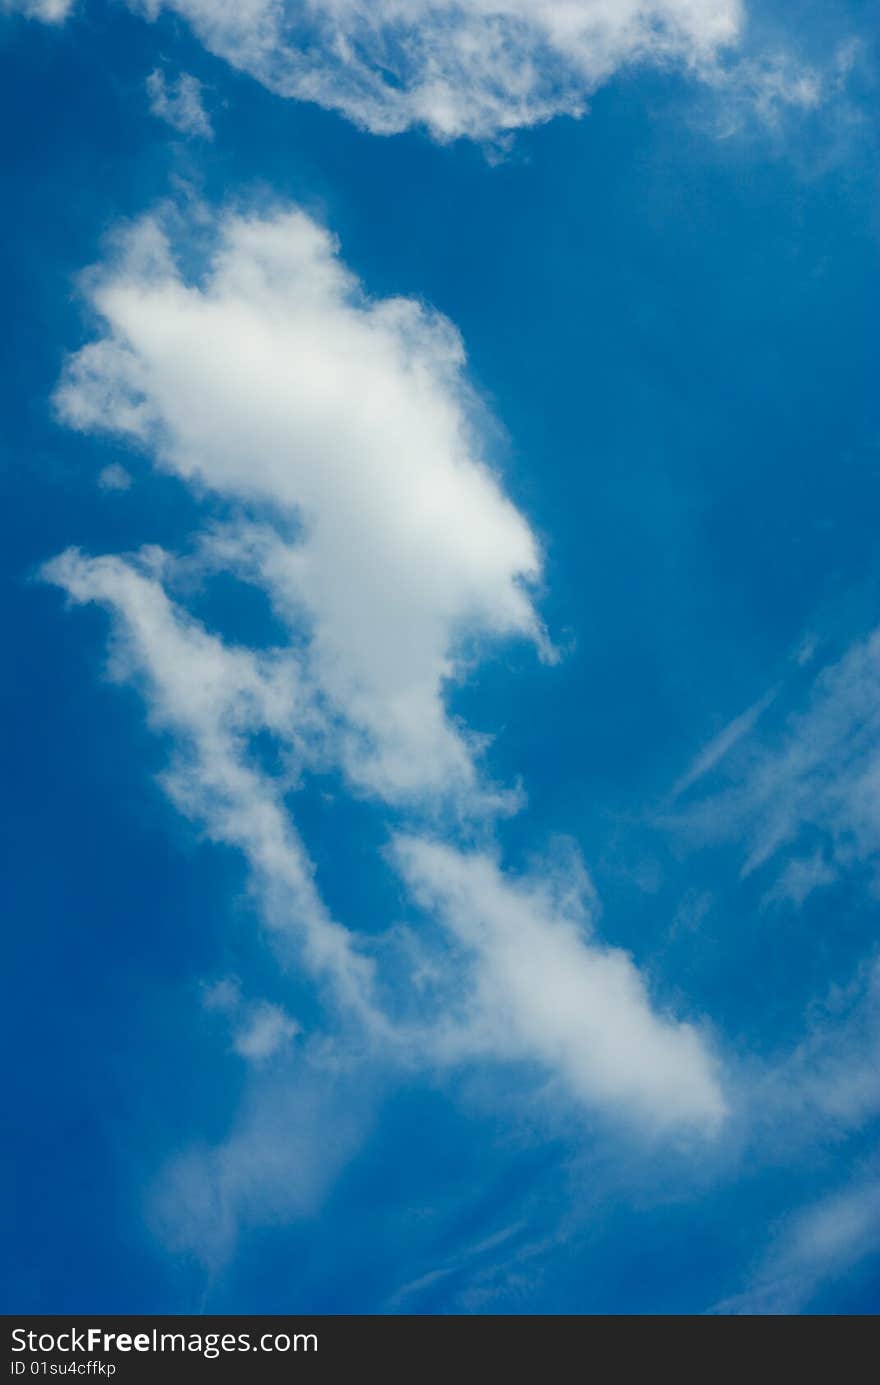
(114, 478)
(479, 69)
(457, 67)
(344, 433)
(542, 988)
(299, 1124)
(261, 1029)
(213, 697)
(815, 775)
(830, 1080)
(179, 103)
(712, 754)
(49, 11)
(817, 1244)
(277, 381)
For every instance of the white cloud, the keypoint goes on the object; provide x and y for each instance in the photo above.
(540, 988)
(114, 478)
(766, 86)
(345, 433)
(468, 1259)
(49, 11)
(179, 103)
(213, 697)
(276, 380)
(481, 68)
(820, 1243)
(475, 68)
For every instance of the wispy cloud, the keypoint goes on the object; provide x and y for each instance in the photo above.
(472, 1256)
(279, 381)
(49, 11)
(479, 68)
(260, 1029)
(828, 1084)
(212, 697)
(818, 1244)
(720, 745)
(299, 1124)
(541, 988)
(484, 68)
(800, 878)
(179, 103)
(114, 478)
(817, 771)
(458, 67)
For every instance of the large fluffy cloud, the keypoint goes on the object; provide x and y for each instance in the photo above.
(275, 379)
(344, 434)
(459, 67)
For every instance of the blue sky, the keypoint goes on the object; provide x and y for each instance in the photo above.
(442, 749)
